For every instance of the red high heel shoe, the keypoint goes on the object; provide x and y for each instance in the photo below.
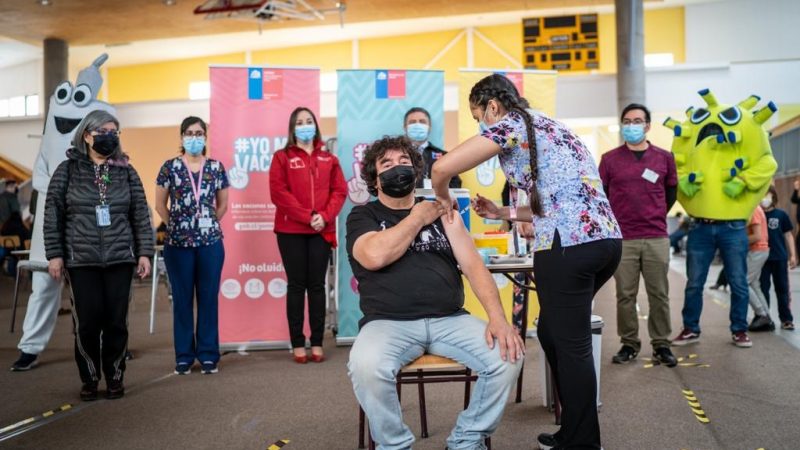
(301, 359)
(317, 358)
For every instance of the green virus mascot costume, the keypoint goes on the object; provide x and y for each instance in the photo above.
(724, 159)
(725, 166)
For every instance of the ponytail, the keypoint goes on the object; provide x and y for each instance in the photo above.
(501, 89)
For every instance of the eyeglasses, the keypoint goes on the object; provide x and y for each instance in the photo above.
(194, 134)
(633, 122)
(105, 132)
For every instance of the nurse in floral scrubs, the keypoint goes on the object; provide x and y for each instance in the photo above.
(577, 242)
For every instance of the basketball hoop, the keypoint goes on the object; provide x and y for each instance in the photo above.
(267, 10)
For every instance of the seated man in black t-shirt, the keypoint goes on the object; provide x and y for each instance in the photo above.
(406, 260)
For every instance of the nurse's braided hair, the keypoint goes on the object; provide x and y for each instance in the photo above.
(501, 89)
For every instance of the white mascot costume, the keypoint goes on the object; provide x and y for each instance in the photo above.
(68, 106)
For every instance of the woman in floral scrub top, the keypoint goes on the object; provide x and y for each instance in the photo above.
(191, 198)
(577, 241)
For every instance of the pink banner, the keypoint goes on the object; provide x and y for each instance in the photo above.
(250, 108)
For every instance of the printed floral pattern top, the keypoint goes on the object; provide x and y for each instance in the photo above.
(183, 229)
(573, 200)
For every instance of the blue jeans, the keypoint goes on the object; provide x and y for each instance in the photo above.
(730, 238)
(195, 270)
(675, 239)
(383, 347)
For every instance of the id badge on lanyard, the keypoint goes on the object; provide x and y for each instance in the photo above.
(103, 214)
(202, 222)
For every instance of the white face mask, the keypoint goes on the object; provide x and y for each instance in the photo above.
(766, 202)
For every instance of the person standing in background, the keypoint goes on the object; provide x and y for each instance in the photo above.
(796, 200)
(9, 203)
(641, 182)
(782, 257)
(308, 188)
(97, 228)
(417, 125)
(197, 189)
(758, 236)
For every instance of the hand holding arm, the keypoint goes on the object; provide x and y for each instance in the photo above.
(377, 249)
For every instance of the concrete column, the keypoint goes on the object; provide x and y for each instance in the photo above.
(56, 67)
(630, 53)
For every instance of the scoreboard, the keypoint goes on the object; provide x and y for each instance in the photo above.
(564, 43)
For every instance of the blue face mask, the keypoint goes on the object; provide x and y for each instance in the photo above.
(417, 132)
(633, 133)
(305, 133)
(194, 145)
(482, 127)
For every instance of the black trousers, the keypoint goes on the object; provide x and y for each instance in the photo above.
(305, 259)
(567, 278)
(100, 312)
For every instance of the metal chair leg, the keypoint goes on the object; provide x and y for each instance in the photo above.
(371, 442)
(16, 300)
(399, 390)
(467, 385)
(361, 420)
(518, 399)
(423, 413)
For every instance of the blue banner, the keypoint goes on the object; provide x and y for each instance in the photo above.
(371, 104)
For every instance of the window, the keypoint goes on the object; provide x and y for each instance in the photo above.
(199, 90)
(4, 107)
(659, 59)
(16, 106)
(32, 105)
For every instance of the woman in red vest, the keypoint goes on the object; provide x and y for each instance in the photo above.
(307, 186)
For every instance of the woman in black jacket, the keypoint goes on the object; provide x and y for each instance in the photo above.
(97, 226)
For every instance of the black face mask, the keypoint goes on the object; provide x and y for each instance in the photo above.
(105, 144)
(398, 181)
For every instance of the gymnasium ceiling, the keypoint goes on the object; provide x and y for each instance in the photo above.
(115, 22)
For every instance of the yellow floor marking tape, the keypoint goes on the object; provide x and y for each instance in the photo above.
(694, 365)
(694, 405)
(30, 420)
(278, 444)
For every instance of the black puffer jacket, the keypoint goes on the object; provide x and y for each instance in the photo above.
(70, 221)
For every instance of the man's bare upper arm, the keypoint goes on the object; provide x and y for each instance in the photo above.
(463, 246)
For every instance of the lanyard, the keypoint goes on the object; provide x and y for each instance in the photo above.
(196, 188)
(101, 179)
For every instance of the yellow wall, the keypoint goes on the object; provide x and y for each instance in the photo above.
(413, 51)
(664, 33)
(162, 81)
(328, 57)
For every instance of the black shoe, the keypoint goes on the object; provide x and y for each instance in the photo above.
(625, 355)
(114, 389)
(546, 441)
(761, 323)
(664, 356)
(26, 361)
(89, 392)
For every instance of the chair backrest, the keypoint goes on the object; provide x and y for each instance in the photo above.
(432, 362)
(9, 242)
